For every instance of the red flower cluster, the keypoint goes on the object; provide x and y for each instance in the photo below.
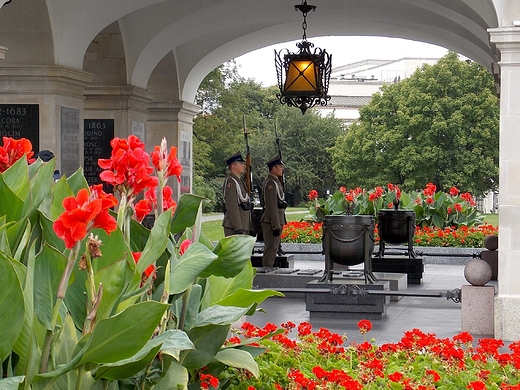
(207, 380)
(468, 198)
(463, 236)
(454, 191)
(430, 189)
(311, 233)
(13, 150)
(128, 168)
(251, 330)
(395, 188)
(313, 195)
(149, 271)
(166, 162)
(84, 212)
(378, 192)
(418, 361)
(184, 246)
(146, 205)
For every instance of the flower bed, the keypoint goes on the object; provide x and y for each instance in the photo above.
(464, 237)
(322, 360)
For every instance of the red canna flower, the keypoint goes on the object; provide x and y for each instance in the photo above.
(454, 191)
(468, 198)
(13, 150)
(457, 207)
(149, 271)
(313, 195)
(343, 189)
(142, 209)
(84, 212)
(168, 201)
(430, 189)
(350, 196)
(184, 246)
(128, 168)
(166, 162)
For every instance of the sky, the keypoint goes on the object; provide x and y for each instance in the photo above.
(259, 64)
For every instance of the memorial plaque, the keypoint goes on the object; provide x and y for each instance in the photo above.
(97, 136)
(138, 130)
(70, 137)
(21, 121)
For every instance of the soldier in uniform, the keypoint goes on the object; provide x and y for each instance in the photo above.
(237, 215)
(273, 218)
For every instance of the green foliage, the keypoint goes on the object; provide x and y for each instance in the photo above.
(440, 126)
(301, 232)
(304, 139)
(432, 208)
(210, 189)
(72, 341)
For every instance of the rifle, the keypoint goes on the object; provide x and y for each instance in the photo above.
(249, 171)
(282, 179)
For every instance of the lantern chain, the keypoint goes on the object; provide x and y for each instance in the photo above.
(304, 8)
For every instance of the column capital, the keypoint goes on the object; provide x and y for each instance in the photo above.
(115, 98)
(3, 49)
(172, 111)
(33, 79)
(507, 42)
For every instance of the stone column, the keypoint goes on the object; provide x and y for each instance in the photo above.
(50, 100)
(507, 303)
(174, 120)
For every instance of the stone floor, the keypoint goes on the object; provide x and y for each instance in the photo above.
(435, 315)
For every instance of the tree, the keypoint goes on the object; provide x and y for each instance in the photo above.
(440, 125)
(218, 133)
(304, 143)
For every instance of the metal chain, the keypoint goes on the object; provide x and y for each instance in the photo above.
(304, 26)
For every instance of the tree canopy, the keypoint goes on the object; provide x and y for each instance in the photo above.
(441, 125)
(218, 133)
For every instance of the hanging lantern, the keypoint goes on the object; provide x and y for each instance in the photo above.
(303, 77)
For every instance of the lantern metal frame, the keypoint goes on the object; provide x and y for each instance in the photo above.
(303, 77)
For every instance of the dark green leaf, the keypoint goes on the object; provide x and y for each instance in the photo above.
(49, 267)
(234, 252)
(186, 212)
(121, 336)
(11, 306)
(183, 274)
